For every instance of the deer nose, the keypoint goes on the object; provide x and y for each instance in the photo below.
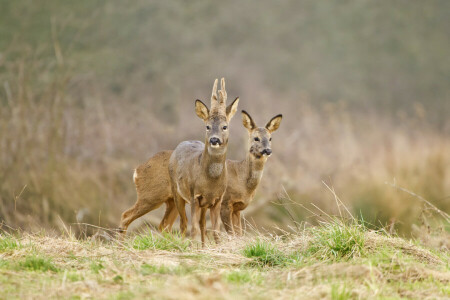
(267, 152)
(214, 141)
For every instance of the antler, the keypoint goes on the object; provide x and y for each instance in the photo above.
(222, 92)
(214, 91)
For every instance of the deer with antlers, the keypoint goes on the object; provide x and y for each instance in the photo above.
(198, 172)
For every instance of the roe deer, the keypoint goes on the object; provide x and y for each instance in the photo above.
(198, 171)
(153, 189)
(244, 176)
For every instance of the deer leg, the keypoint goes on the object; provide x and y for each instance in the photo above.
(237, 223)
(180, 204)
(140, 208)
(170, 216)
(215, 215)
(225, 214)
(203, 225)
(195, 218)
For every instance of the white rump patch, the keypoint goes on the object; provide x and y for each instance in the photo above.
(135, 176)
(215, 170)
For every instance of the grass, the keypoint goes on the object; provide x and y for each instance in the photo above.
(264, 253)
(244, 276)
(337, 240)
(156, 241)
(336, 260)
(37, 263)
(8, 242)
(340, 293)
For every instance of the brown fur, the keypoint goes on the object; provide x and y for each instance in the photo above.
(244, 176)
(153, 189)
(198, 171)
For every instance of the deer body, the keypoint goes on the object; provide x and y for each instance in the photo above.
(243, 179)
(198, 171)
(245, 176)
(153, 188)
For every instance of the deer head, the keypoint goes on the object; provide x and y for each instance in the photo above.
(217, 119)
(260, 138)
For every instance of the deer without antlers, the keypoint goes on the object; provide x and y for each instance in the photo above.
(244, 176)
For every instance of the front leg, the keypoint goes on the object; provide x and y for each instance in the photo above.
(180, 204)
(203, 225)
(215, 212)
(195, 218)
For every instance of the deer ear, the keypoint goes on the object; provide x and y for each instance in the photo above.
(201, 110)
(232, 108)
(247, 121)
(274, 123)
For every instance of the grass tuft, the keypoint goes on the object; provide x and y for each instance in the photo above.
(337, 240)
(164, 241)
(243, 276)
(96, 266)
(265, 254)
(37, 263)
(340, 293)
(7, 242)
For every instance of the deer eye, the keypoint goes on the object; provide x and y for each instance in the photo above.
(256, 139)
(208, 127)
(225, 127)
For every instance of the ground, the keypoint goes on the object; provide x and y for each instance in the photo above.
(335, 260)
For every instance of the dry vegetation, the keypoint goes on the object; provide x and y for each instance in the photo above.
(337, 260)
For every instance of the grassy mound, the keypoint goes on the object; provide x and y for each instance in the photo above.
(334, 260)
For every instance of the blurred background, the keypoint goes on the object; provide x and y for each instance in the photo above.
(91, 89)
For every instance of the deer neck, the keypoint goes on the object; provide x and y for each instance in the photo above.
(254, 170)
(213, 165)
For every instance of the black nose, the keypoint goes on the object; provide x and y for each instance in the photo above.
(267, 151)
(214, 141)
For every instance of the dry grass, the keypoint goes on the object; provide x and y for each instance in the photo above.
(386, 267)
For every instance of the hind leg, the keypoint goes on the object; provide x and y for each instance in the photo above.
(170, 216)
(226, 215)
(237, 226)
(140, 208)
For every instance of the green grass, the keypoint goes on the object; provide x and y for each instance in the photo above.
(244, 276)
(8, 242)
(37, 263)
(264, 253)
(337, 240)
(156, 241)
(96, 266)
(147, 269)
(340, 292)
